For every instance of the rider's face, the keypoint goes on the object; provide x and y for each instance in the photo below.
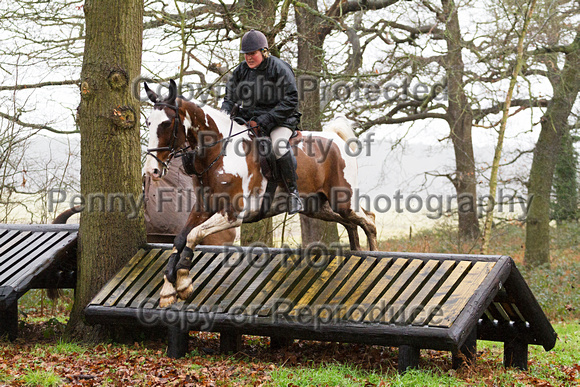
(254, 58)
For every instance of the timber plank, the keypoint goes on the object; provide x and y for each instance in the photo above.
(425, 292)
(7, 235)
(130, 277)
(201, 277)
(320, 304)
(322, 280)
(238, 267)
(260, 278)
(377, 291)
(383, 305)
(145, 271)
(292, 275)
(232, 262)
(118, 278)
(153, 281)
(250, 272)
(337, 304)
(268, 274)
(12, 239)
(432, 307)
(405, 298)
(270, 288)
(36, 248)
(459, 298)
(368, 283)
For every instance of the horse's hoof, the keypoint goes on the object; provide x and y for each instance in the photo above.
(167, 295)
(183, 285)
(165, 301)
(185, 293)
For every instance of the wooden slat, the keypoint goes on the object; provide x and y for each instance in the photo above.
(202, 274)
(368, 283)
(404, 299)
(146, 269)
(270, 288)
(457, 301)
(199, 262)
(7, 235)
(230, 263)
(259, 279)
(238, 265)
(505, 316)
(425, 293)
(441, 293)
(130, 278)
(292, 275)
(12, 240)
(27, 254)
(154, 281)
(308, 279)
(377, 291)
(338, 304)
(383, 305)
(267, 276)
(318, 286)
(118, 278)
(321, 303)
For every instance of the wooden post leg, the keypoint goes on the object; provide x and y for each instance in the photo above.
(230, 342)
(515, 354)
(177, 341)
(279, 342)
(467, 352)
(408, 358)
(9, 321)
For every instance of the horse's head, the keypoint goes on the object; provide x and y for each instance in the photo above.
(166, 132)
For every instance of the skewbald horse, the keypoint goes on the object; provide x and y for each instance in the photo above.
(327, 177)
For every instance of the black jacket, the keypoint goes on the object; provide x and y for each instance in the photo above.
(267, 94)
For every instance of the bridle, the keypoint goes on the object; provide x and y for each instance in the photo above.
(173, 152)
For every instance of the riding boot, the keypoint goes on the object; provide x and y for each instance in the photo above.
(287, 167)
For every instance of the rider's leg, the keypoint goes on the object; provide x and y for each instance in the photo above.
(286, 165)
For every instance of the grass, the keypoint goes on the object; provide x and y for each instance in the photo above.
(42, 379)
(311, 363)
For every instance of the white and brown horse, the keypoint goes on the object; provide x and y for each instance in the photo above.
(234, 186)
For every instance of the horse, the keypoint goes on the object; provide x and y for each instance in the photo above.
(224, 160)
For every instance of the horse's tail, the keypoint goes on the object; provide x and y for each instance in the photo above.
(342, 126)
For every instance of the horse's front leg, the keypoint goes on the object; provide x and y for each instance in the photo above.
(217, 222)
(178, 261)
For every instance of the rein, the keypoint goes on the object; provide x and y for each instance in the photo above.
(182, 151)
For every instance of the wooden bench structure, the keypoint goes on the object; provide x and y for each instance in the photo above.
(407, 300)
(33, 257)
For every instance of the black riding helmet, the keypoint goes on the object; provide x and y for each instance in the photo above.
(253, 41)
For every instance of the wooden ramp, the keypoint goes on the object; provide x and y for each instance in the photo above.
(410, 301)
(33, 257)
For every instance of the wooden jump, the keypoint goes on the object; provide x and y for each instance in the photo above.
(406, 300)
(33, 257)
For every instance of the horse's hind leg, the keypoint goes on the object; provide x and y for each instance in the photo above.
(353, 237)
(366, 220)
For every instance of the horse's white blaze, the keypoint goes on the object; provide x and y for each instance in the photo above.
(155, 119)
(187, 123)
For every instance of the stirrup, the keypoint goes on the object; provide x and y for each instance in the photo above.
(294, 203)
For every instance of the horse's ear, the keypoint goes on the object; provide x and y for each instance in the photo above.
(150, 93)
(172, 92)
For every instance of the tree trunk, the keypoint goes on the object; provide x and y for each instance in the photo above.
(312, 31)
(554, 125)
(460, 119)
(108, 117)
(565, 183)
(258, 232)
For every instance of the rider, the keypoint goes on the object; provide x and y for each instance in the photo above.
(264, 87)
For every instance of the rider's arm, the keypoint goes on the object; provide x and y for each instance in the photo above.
(288, 102)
